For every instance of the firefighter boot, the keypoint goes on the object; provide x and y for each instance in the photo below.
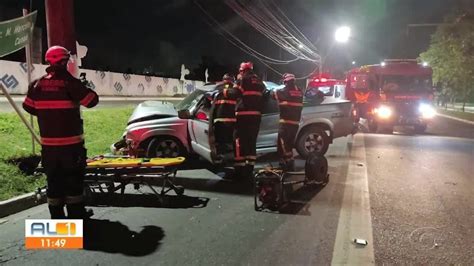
(78, 211)
(57, 211)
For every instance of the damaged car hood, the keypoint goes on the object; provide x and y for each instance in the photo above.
(149, 110)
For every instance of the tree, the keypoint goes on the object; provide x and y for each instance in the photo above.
(451, 55)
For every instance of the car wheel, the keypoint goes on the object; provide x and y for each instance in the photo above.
(312, 139)
(165, 147)
(419, 129)
(373, 126)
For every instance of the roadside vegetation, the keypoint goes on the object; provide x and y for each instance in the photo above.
(451, 55)
(102, 127)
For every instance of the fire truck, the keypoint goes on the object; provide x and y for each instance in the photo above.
(397, 92)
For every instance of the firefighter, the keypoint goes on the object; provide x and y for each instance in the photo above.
(55, 99)
(223, 116)
(290, 101)
(249, 91)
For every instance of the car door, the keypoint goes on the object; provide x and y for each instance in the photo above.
(199, 129)
(267, 136)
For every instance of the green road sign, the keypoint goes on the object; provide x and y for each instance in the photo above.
(14, 33)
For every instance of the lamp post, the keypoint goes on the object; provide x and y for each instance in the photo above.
(341, 35)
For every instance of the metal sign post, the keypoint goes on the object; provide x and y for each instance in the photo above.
(15, 34)
(20, 114)
(28, 72)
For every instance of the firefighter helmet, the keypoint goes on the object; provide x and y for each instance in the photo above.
(56, 54)
(246, 66)
(229, 78)
(287, 77)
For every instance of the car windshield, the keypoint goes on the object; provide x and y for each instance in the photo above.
(190, 100)
(406, 83)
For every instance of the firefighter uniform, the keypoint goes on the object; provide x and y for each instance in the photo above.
(55, 100)
(249, 89)
(290, 102)
(223, 115)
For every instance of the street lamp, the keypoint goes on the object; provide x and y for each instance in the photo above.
(353, 62)
(342, 34)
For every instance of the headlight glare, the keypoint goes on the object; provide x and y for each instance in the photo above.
(427, 111)
(384, 112)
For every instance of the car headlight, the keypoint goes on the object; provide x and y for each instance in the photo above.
(426, 111)
(384, 112)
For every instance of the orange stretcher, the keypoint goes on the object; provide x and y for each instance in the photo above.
(111, 174)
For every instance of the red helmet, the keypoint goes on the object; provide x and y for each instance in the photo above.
(56, 54)
(287, 77)
(246, 66)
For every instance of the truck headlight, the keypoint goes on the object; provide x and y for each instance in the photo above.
(384, 112)
(426, 111)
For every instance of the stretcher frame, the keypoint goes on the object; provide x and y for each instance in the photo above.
(96, 177)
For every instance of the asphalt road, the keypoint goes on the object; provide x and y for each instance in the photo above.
(409, 196)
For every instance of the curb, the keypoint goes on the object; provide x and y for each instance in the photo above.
(458, 119)
(19, 203)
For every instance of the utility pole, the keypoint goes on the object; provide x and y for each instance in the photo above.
(60, 28)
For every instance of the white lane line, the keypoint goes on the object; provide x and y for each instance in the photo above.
(354, 219)
(457, 119)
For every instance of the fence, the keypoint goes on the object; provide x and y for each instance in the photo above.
(13, 75)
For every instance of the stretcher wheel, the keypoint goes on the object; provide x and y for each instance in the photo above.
(179, 190)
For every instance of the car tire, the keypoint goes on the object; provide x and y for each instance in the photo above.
(373, 126)
(165, 147)
(419, 129)
(312, 139)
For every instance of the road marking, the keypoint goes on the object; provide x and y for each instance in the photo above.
(457, 119)
(354, 219)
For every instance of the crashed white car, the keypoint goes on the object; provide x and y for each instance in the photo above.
(156, 130)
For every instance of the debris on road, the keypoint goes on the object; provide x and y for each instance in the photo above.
(361, 242)
(360, 164)
(3, 221)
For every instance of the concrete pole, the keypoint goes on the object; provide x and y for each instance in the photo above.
(60, 28)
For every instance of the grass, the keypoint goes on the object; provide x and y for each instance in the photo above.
(102, 127)
(458, 114)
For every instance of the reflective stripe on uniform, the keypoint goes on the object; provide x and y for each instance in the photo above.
(291, 122)
(225, 102)
(237, 148)
(251, 157)
(55, 201)
(282, 143)
(55, 105)
(247, 113)
(74, 199)
(286, 103)
(28, 101)
(62, 141)
(256, 93)
(88, 99)
(225, 120)
(239, 164)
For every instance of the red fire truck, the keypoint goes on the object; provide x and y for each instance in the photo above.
(395, 92)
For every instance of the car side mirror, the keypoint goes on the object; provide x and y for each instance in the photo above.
(184, 114)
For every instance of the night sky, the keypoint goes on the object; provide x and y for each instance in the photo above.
(158, 36)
